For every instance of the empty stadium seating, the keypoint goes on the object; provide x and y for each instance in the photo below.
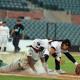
(72, 6)
(68, 5)
(14, 5)
(42, 29)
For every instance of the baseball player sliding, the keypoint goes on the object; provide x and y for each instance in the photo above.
(34, 55)
(4, 35)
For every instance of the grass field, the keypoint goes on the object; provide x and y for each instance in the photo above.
(68, 66)
(22, 78)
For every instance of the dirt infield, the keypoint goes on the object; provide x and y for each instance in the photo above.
(62, 76)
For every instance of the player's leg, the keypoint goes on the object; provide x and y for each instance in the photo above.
(16, 43)
(0, 42)
(10, 68)
(57, 64)
(5, 41)
(46, 56)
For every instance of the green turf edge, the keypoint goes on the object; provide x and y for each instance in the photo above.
(6, 77)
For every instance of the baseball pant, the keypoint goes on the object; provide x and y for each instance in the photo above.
(16, 43)
(57, 63)
(9, 68)
(3, 42)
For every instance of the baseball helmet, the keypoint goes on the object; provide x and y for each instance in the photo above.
(37, 44)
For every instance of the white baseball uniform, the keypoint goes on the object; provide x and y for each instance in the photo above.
(57, 46)
(4, 35)
(36, 57)
(45, 45)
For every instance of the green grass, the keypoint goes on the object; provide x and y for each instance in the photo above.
(68, 66)
(22, 78)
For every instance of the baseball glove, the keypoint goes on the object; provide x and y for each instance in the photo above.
(77, 70)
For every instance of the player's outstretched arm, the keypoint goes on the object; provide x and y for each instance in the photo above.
(71, 58)
(44, 64)
(31, 63)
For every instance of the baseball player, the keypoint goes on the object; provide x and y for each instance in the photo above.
(33, 56)
(39, 56)
(17, 35)
(4, 35)
(57, 48)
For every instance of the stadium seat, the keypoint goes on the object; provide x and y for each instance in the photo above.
(14, 5)
(67, 5)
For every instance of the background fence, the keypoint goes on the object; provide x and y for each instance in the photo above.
(42, 29)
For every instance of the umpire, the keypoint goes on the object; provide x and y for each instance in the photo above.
(17, 35)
